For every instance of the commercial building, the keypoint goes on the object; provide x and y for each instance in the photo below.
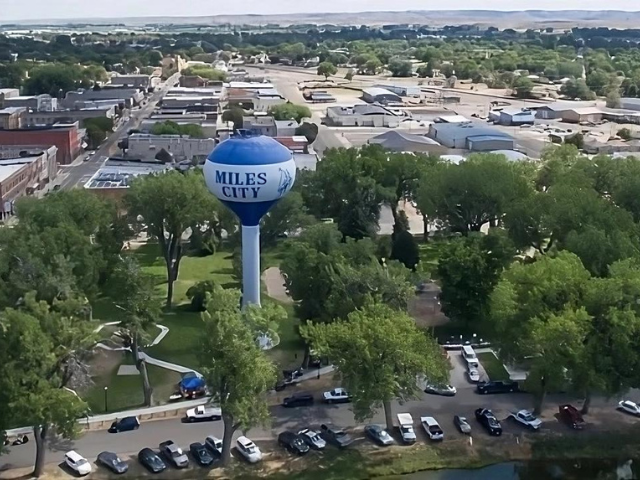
(397, 141)
(516, 116)
(23, 171)
(144, 146)
(189, 102)
(555, 111)
(380, 95)
(260, 124)
(402, 90)
(113, 179)
(627, 103)
(295, 143)
(286, 128)
(471, 136)
(363, 116)
(125, 96)
(584, 114)
(12, 117)
(8, 93)
(69, 116)
(267, 98)
(34, 103)
(65, 137)
(135, 81)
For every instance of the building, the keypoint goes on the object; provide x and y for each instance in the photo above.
(69, 116)
(23, 171)
(260, 124)
(34, 103)
(128, 97)
(8, 93)
(363, 116)
(192, 81)
(144, 146)
(452, 118)
(584, 114)
(627, 103)
(113, 179)
(265, 99)
(397, 141)
(295, 143)
(403, 90)
(379, 95)
(209, 126)
(319, 97)
(135, 81)
(516, 116)
(471, 136)
(305, 161)
(64, 136)
(556, 110)
(190, 102)
(286, 128)
(12, 117)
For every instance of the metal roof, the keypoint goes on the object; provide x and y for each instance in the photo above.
(484, 138)
(375, 91)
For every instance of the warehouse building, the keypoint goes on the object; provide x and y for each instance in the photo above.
(407, 142)
(471, 136)
(584, 114)
(516, 116)
(380, 95)
(556, 110)
(402, 90)
(363, 116)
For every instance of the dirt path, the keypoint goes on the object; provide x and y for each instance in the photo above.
(272, 278)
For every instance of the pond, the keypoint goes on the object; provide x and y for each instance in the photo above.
(541, 470)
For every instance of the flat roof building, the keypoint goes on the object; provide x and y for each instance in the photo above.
(65, 137)
(363, 116)
(471, 136)
(182, 147)
(380, 95)
(114, 178)
(397, 141)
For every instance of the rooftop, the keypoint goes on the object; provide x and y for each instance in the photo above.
(517, 111)
(12, 110)
(373, 91)
(120, 176)
(566, 105)
(361, 110)
(402, 141)
(468, 129)
(286, 123)
(586, 110)
(451, 119)
(7, 170)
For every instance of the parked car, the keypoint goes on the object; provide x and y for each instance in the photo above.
(506, 386)
(474, 375)
(248, 450)
(174, 454)
(378, 435)
(337, 395)
(151, 461)
(111, 461)
(405, 423)
(77, 463)
(432, 427)
(203, 414)
(526, 418)
(214, 444)
(571, 416)
(463, 424)
(125, 424)
(444, 390)
(335, 435)
(629, 407)
(313, 438)
(487, 419)
(293, 442)
(201, 454)
(298, 400)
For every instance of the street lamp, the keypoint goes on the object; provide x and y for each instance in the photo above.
(106, 392)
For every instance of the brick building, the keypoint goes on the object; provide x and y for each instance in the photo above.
(65, 137)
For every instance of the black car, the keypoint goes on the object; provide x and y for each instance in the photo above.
(506, 386)
(298, 400)
(200, 454)
(111, 461)
(293, 442)
(124, 425)
(487, 419)
(335, 435)
(151, 461)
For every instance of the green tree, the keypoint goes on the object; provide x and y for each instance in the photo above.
(373, 66)
(168, 127)
(577, 89)
(379, 353)
(168, 204)
(95, 136)
(286, 217)
(405, 250)
(326, 69)
(400, 68)
(289, 111)
(523, 87)
(234, 115)
(205, 72)
(200, 293)
(309, 131)
(234, 366)
(625, 134)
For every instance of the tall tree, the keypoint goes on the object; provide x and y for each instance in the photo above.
(379, 352)
(234, 366)
(326, 69)
(168, 204)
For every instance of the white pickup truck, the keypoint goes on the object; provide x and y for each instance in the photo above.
(405, 422)
(203, 414)
(432, 427)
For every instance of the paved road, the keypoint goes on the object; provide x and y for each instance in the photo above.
(79, 174)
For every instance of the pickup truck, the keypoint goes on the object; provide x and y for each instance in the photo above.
(405, 423)
(203, 414)
(526, 418)
(432, 427)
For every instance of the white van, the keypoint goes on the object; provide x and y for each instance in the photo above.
(470, 356)
(405, 423)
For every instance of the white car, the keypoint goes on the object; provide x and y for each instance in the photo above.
(474, 375)
(526, 418)
(432, 427)
(214, 444)
(629, 407)
(313, 438)
(248, 449)
(337, 395)
(203, 414)
(405, 422)
(77, 463)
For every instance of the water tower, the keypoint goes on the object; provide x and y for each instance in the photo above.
(249, 174)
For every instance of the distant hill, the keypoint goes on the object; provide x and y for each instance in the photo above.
(501, 19)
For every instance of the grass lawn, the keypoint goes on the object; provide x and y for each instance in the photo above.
(179, 346)
(494, 367)
(429, 255)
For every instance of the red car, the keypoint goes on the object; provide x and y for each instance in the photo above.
(571, 416)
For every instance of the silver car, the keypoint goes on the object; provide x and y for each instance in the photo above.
(313, 438)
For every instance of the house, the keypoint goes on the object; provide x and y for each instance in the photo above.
(260, 124)
(630, 103)
(286, 128)
(471, 136)
(363, 116)
(379, 95)
(397, 141)
(516, 116)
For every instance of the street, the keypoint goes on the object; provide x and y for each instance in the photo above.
(78, 175)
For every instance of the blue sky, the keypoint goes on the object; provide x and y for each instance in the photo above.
(43, 9)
